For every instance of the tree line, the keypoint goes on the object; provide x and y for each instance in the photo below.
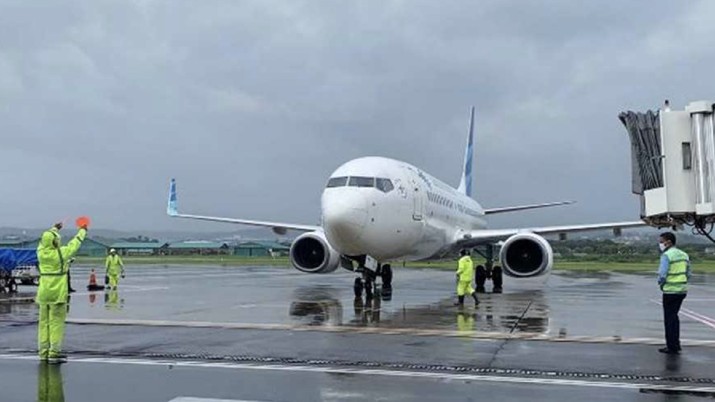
(612, 251)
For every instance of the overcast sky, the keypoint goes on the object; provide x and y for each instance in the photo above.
(252, 104)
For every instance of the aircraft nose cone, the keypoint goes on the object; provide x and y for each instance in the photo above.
(344, 219)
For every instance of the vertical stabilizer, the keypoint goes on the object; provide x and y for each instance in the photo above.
(171, 207)
(465, 183)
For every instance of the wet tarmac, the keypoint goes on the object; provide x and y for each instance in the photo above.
(275, 334)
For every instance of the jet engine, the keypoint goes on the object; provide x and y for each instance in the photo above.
(311, 253)
(525, 255)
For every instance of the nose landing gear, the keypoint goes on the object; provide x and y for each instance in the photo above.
(368, 282)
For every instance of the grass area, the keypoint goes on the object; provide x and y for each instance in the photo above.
(221, 260)
(705, 266)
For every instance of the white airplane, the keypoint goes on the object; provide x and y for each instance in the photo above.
(376, 210)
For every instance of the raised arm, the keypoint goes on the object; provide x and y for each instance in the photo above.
(71, 248)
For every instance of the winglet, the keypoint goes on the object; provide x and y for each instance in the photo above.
(465, 183)
(171, 208)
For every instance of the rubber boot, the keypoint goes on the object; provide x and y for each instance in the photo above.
(460, 301)
(476, 300)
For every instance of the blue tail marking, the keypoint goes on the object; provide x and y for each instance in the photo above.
(171, 208)
(465, 183)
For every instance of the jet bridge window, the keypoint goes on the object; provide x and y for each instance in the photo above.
(357, 181)
(337, 182)
(384, 185)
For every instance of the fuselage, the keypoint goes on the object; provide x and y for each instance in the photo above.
(391, 210)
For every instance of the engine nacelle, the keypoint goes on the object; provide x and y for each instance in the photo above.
(525, 255)
(311, 253)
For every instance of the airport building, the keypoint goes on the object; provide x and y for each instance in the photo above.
(96, 248)
(197, 248)
(17, 243)
(139, 248)
(258, 248)
(90, 247)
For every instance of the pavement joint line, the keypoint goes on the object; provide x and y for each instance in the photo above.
(192, 358)
(496, 336)
(126, 289)
(701, 318)
(502, 377)
(18, 300)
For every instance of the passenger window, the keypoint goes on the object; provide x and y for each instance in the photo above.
(384, 185)
(356, 181)
(337, 182)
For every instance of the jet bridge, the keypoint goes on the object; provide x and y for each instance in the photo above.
(673, 165)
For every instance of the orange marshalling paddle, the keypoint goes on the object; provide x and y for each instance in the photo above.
(82, 221)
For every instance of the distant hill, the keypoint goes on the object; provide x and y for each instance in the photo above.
(645, 235)
(163, 236)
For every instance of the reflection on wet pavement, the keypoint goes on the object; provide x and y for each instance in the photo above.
(112, 300)
(569, 304)
(49, 383)
(300, 322)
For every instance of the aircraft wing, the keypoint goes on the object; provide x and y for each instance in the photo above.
(502, 210)
(278, 227)
(477, 237)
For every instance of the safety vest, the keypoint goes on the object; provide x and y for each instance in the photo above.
(676, 281)
(465, 269)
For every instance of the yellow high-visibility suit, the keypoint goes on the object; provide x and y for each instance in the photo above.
(115, 267)
(52, 295)
(465, 273)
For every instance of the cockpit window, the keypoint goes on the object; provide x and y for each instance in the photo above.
(337, 182)
(357, 181)
(384, 185)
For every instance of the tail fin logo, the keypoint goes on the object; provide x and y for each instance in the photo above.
(465, 183)
(171, 208)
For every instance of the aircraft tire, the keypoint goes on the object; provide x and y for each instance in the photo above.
(358, 287)
(386, 274)
(386, 293)
(497, 279)
(480, 277)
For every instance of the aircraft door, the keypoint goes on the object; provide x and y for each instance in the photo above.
(417, 201)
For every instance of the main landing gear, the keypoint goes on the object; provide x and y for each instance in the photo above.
(488, 271)
(368, 282)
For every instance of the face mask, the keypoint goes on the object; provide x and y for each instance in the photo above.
(661, 246)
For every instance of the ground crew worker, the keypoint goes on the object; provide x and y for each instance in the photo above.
(673, 276)
(465, 275)
(52, 292)
(115, 267)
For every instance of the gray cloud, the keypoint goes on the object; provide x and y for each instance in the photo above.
(252, 104)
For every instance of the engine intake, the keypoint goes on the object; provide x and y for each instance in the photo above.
(311, 253)
(526, 255)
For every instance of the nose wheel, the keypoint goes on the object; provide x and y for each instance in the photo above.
(368, 282)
